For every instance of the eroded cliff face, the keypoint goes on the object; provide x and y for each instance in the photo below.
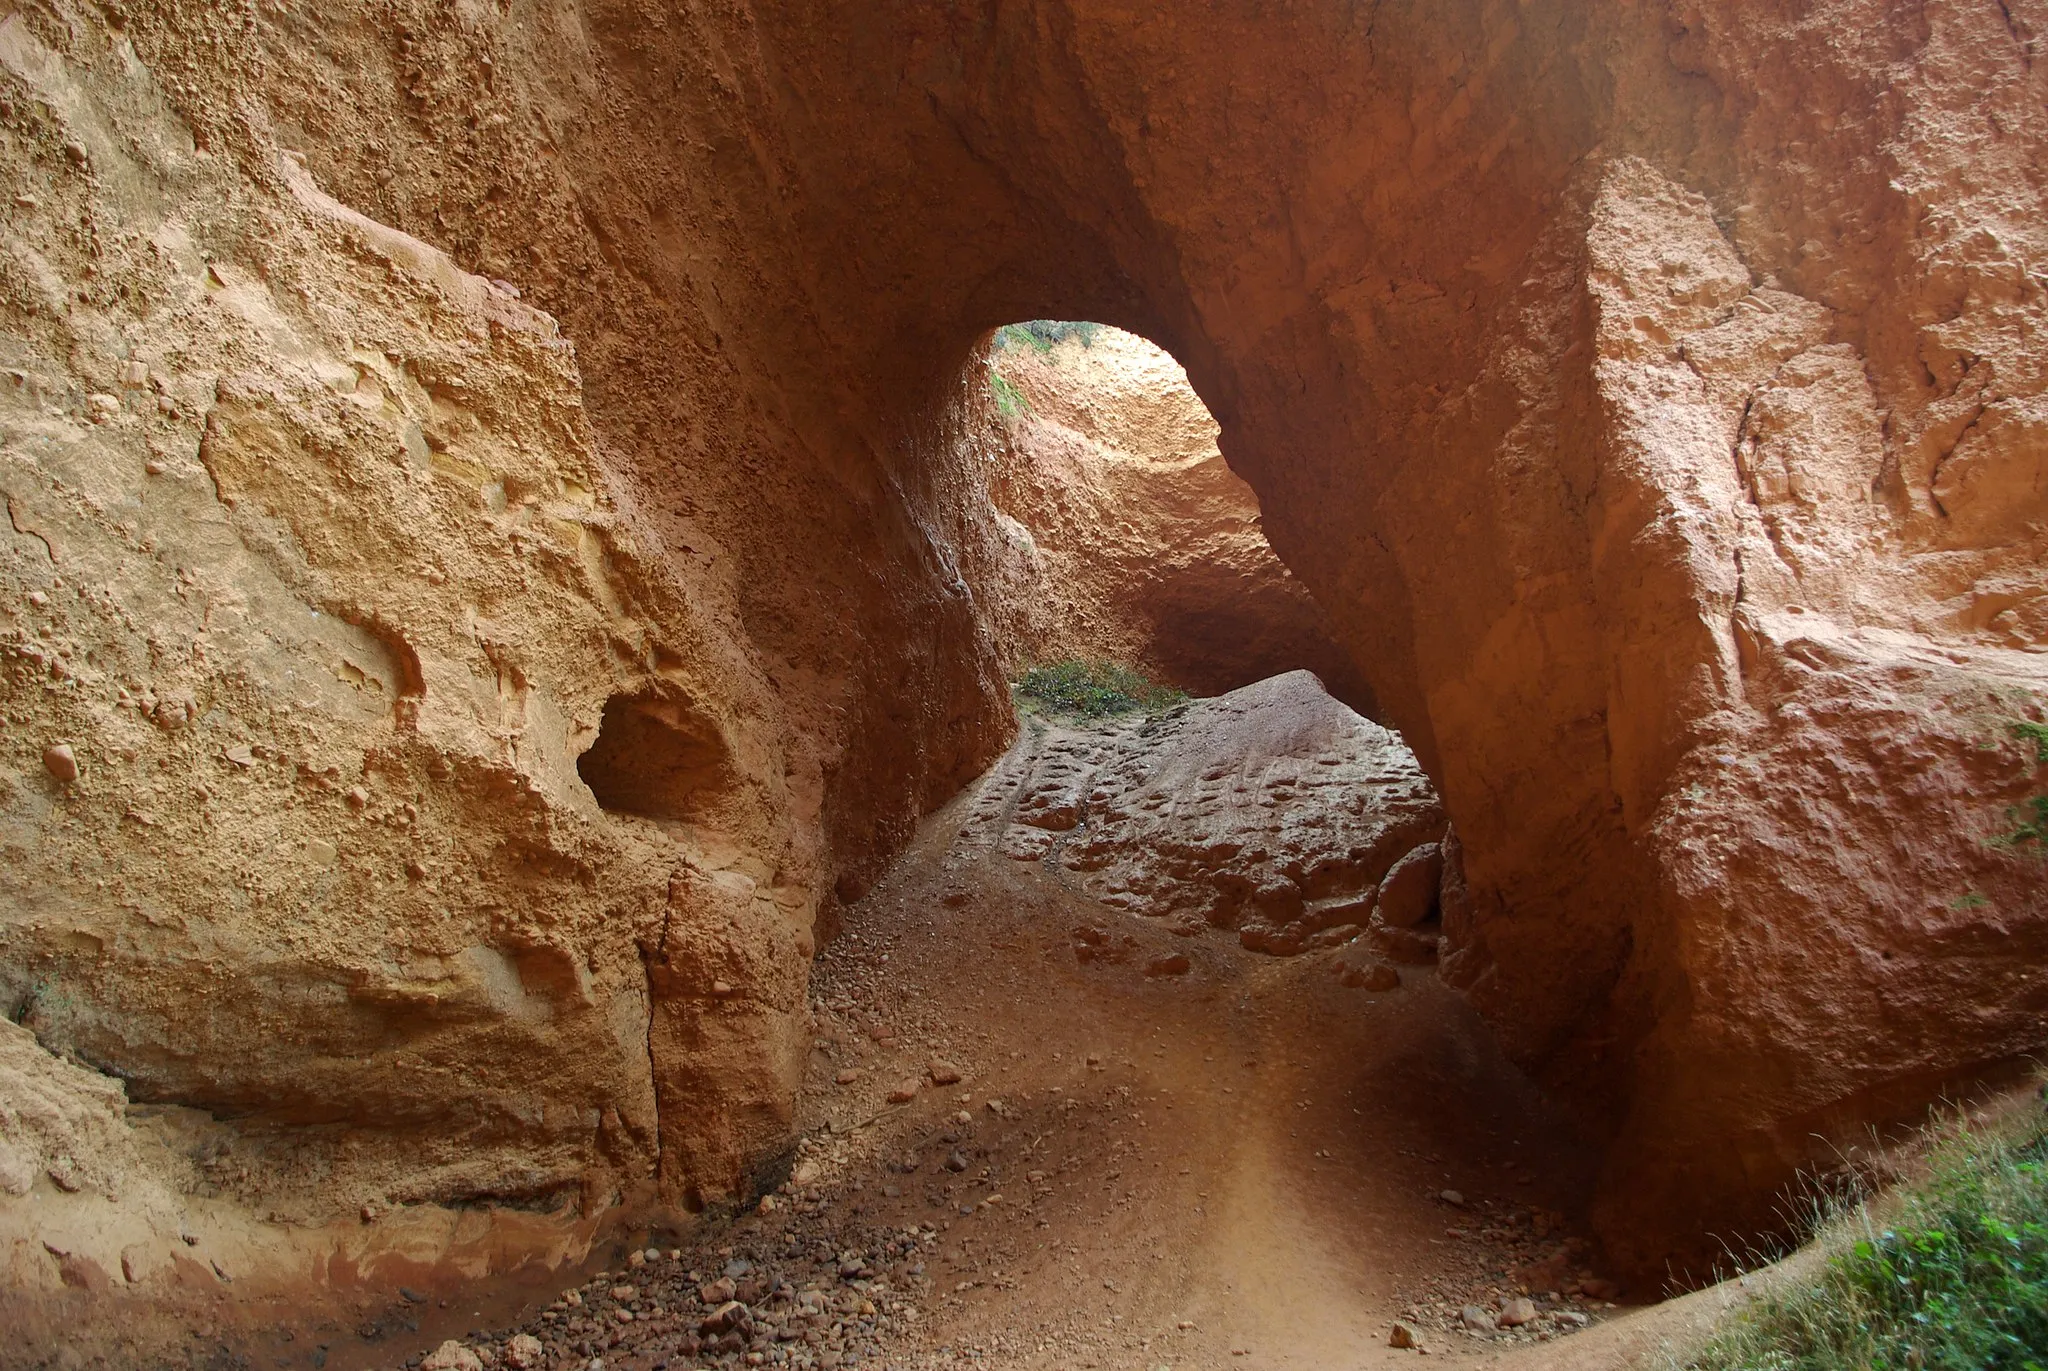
(1133, 540)
(1650, 397)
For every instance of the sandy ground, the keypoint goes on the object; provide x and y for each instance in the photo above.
(1242, 1166)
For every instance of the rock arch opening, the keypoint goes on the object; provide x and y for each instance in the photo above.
(1131, 538)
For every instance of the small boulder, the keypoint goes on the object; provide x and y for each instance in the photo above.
(1174, 964)
(452, 1356)
(1408, 894)
(1517, 1311)
(1477, 1319)
(524, 1352)
(1358, 969)
(1402, 1336)
(1284, 941)
(726, 1318)
(903, 1092)
(61, 762)
(943, 1073)
(1335, 937)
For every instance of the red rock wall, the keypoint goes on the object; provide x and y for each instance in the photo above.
(1648, 393)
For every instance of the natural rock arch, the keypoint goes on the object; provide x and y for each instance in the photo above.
(1645, 391)
(1481, 306)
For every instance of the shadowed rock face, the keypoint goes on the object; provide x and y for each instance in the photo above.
(1650, 396)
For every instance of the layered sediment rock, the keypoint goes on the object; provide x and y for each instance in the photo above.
(1649, 395)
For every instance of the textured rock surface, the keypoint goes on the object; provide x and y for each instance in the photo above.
(1135, 542)
(1273, 810)
(1651, 397)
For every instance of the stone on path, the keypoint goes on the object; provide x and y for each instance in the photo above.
(452, 1356)
(1408, 894)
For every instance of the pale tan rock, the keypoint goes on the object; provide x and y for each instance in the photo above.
(1272, 810)
(1516, 1311)
(1359, 970)
(452, 1356)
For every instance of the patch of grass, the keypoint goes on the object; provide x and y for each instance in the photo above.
(2029, 821)
(1949, 1274)
(2027, 728)
(2029, 818)
(1042, 335)
(1010, 401)
(1094, 690)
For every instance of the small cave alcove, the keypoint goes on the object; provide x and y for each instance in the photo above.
(657, 758)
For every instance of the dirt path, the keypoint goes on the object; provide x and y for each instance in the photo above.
(1239, 1166)
(1024, 1146)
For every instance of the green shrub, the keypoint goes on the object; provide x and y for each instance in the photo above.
(1094, 690)
(1010, 401)
(1953, 1277)
(1041, 335)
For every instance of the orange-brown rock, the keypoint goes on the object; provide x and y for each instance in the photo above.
(1650, 395)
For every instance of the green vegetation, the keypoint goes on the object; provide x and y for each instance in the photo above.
(1041, 335)
(1094, 690)
(1949, 1274)
(1010, 401)
(2029, 818)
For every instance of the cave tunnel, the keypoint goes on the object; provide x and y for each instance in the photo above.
(509, 571)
